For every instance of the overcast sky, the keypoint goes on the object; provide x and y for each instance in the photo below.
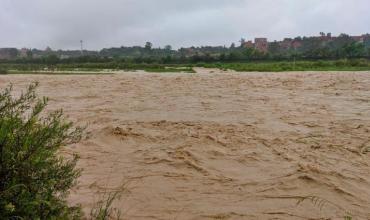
(106, 23)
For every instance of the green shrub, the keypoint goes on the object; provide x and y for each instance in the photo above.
(103, 209)
(34, 179)
(3, 71)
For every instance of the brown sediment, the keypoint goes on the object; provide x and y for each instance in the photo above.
(220, 145)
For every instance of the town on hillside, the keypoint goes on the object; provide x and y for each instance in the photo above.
(317, 45)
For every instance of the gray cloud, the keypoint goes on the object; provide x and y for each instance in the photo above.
(105, 23)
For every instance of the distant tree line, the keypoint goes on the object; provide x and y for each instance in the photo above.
(300, 48)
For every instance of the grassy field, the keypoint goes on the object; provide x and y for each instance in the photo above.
(92, 68)
(258, 66)
(339, 65)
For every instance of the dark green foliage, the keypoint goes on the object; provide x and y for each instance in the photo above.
(34, 180)
(148, 46)
(3, 71)
(103, 209)
(259, 66)
(91, 67)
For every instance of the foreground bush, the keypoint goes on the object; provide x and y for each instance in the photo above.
(34, 180)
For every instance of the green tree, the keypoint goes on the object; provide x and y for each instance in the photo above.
(29, 54)
(249, 53)
(274, 48)
(51, 59)
(148, 45)
(34, 179)
(242, 42)
(3, 71)
(222, 57)
(168, 47)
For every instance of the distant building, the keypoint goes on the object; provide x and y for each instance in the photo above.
(367, 40)
(296, 44)
(261, 44)
(286, 43)
(23, 53)
(248, 44)
(48, 50)
(359, 39)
